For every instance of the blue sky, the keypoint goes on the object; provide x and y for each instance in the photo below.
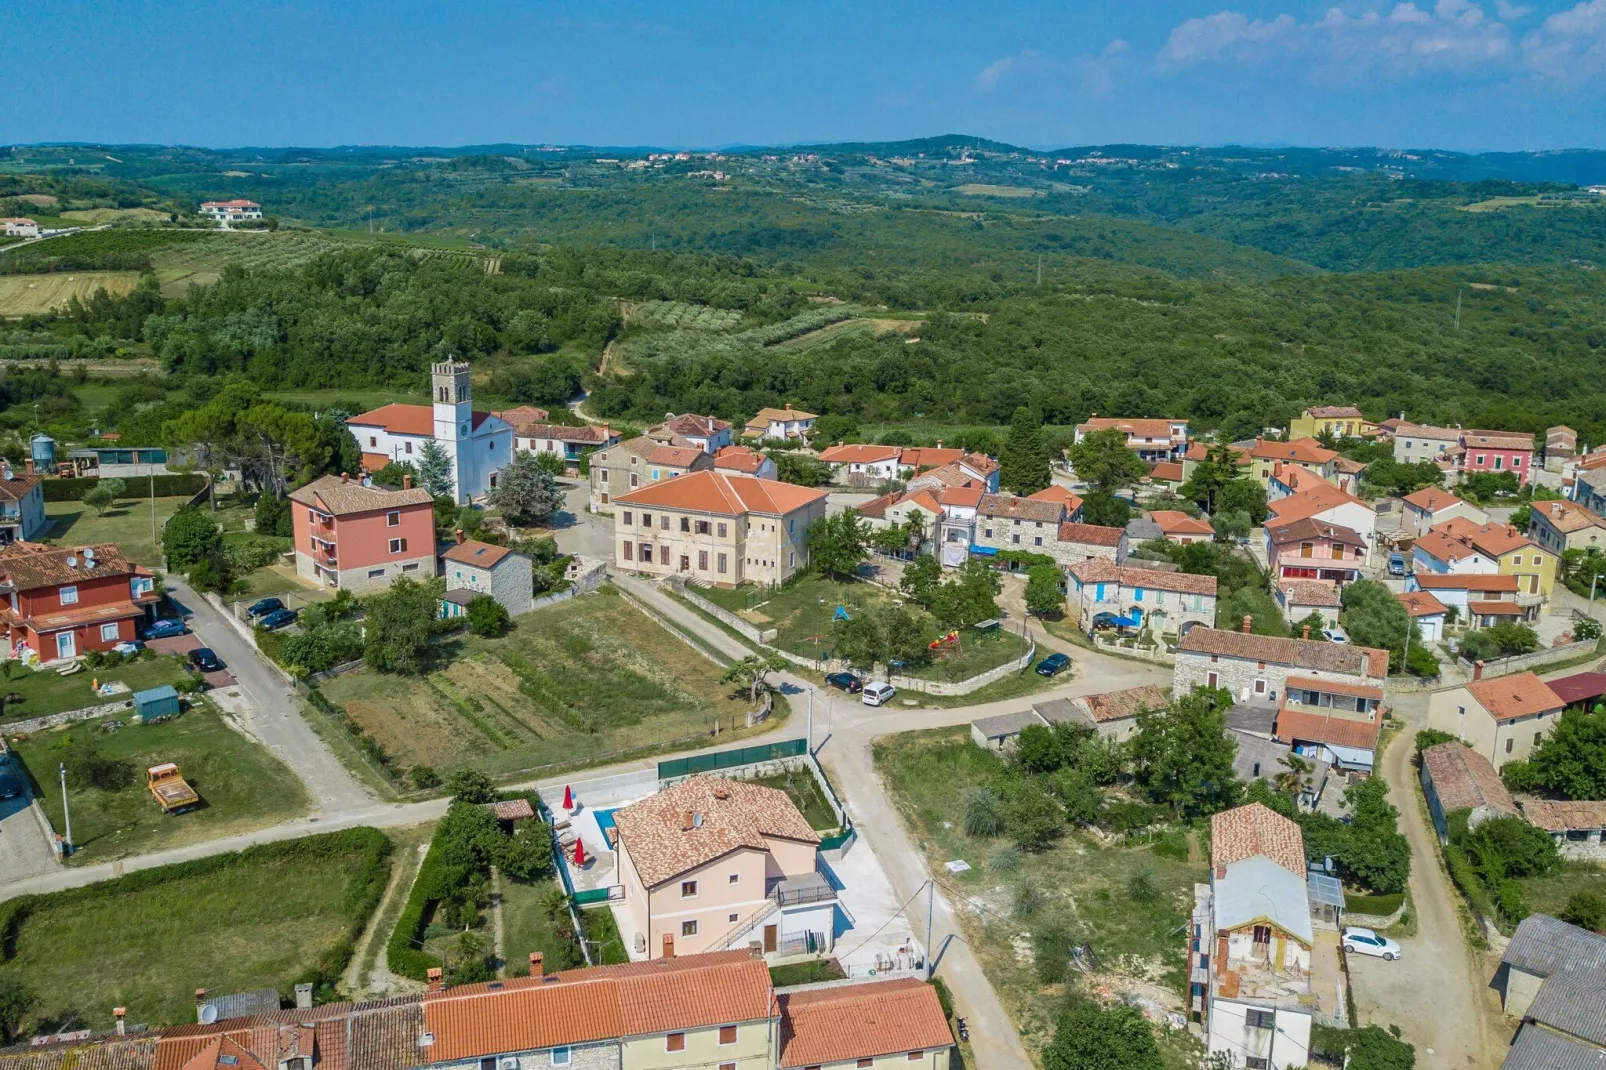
(1459, 74)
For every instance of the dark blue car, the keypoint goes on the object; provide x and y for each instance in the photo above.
(262, 607)
(279, 618)
(164, 629)
(1053, 665)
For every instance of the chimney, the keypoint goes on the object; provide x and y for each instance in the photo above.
(459, 534)
(303, 996)
(688, 821)
(939, 443)
(200, 1001)
(537, 967)
(1249, 623)
(788, 406)
(30, 466)
(1477, 670)
(407, 481)
(1305, 632)
(345, 477)
(1366, 664)
(121, 1014)
(434, 979)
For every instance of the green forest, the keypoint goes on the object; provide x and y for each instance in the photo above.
(919, 286)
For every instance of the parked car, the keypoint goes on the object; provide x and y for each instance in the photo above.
(263, 606)
(129, 646)
(165, 629)
(878, 694)
(845, 681)
(1335, 634)
(11, 785)
(1396, 564)
(279, 618)
(203, 660)
(1358, 941)
(1053, 665)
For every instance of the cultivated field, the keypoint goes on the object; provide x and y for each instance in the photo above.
(202, 261)
(31, 295)
(982, 189)
(569, 683)
(97, 216)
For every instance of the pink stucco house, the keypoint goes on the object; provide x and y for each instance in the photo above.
(712, 864)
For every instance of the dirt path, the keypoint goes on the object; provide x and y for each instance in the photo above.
(1437, 993)
(404, 869)
(381, 982)
(499, 938)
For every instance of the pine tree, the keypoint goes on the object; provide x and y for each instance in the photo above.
(1023, 462)
(435, 469)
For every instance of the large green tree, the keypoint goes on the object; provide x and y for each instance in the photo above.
(1182, 755)
(435, 468)
(1023, 462)
(837, 543)
(398, 625)
(1090, 1037)
(1103, 460)
(525, 491)
(1571, 761)
(189, 537)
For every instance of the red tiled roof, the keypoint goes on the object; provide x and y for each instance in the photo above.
(691, 425)
(1167, 471)
(1318, 499)
(1579, 687)
(675, 456)
(1091, 534)
(1463, 778)
(476, 553)
(1567, 517)
(1520, 694)
(1494, 608)
(472, 1024)
(1310, 593)
(859, 453)
(1057, 493)
(1309, 529)
(1143, 428)
(28, 566)
(1129, 702)
(1333, 412)
(1422, 603)
(918, 457)
(1492, 540)
(1497, 440)
(1314, 727)
(923, 499)
(1335, 687)
(979, 463)
(1256, 829)
(1489, 581)
(341, 497)
(400, 419)
(521, 414)
(1432, 499)
(864, 1021)
(237, 203)
(1557, 815)
(1300, 450)
(718, 493)
(1299, 653)
(594, 434)
(739, 459)
(725, 815)
(1442, 547)
(1016, 508)
(1176, 522)
(17, 487)
(969, 497)
(1103, 570)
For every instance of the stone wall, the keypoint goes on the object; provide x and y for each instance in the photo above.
(88, 713)
(1525, 662)
(726, 617)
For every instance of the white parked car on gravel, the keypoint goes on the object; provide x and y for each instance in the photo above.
(1358, 941)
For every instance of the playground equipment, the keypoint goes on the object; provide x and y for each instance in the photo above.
(946, 646)
(841, 614)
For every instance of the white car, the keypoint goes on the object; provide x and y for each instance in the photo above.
(1335, 635)
(1359, 941)
(877, 694)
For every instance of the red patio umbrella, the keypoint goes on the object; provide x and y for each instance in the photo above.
(568, 797)
(579, 852)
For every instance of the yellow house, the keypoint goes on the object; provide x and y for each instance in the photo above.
(1515, 553)
(878, 1023)
(1340, 421)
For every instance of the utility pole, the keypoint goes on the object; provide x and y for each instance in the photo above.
(1458, 309)
(811, 720)
(931, 895)
(66, 847)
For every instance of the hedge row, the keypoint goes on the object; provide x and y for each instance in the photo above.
(404, 955)
(169, 486)
(362, 893)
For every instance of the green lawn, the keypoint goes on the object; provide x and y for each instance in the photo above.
(45, 691)
(805, 791)
(802, 614)
(1549, 894)
(242, 785)
(528, 926)
(806, 973)
(128, 524)
(265, 917)
(570, 683)
(1081, 885)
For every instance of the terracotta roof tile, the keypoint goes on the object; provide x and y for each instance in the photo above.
(27, 566)
(589, 434)
(859, 453)
(1119, 705)
(724, 994)
(1491, 540)
(766, 415)
(1301, 450)
(1256, 829)
(1428, 431)
(1012, 507)
(691, 425)
(1102, 570)
(1310, 593)
(1319, 498)
(477, 553)
(1567, 517)
(17, 487)
(919, 457)
(95, 1053)
(863, 1021)
(1057, 493)
(1315, 727)
(1309, 529)
(1441, 547)
(1140, 427)
(1489, 581)
(718, 493)
(1091, 534)
(1167, 471)
(1463, 778)
(1176, 522)
(1334, 412)
(1560, 815)
(1299, 653)
(1521, 694)
(522, 414)
(1422, 603)
(725, 815)
(967, 497)
(407, 419)
(1493, 608)
(338, 497)
(979, 463)
(1497, 440)
(487, 1023)
(1432, 499)
(739, 459)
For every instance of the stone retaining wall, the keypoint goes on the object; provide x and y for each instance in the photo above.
(727, 618)
(914, 683)
(88, 713)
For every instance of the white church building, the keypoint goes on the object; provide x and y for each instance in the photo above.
(479, 444)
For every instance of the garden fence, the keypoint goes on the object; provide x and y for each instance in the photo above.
(691, 765)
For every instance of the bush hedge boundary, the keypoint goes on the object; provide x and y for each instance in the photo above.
(173, 485)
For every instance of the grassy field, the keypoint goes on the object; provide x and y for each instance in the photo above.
(241, 784)
(128, 524)
(1549, 895)
(180, 266)
(1081, 884)
(533, 921)
(260, 919)
(96, 216)
(577, 680)
(808, 796)
(983, 189)
(802, 614)
(27, 295)
(45, 692)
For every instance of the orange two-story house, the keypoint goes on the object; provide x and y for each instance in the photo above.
(359, 535)
(60, 602)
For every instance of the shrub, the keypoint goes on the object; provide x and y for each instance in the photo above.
(1051, 952)
(424, 776)
(487, 617)
(1142, 887)
(1587, 910)
(1587, 630)
(1004, 858)
(984, 813)
(1026, 901)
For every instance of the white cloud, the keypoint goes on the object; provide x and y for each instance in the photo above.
(1510, 12)
(987, 80)
(1224, 35)
(1570, 45)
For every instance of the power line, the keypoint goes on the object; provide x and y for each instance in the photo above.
(896, 915)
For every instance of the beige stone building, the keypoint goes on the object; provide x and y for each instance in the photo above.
(641, 462)
(1503, 718)
(714, 528)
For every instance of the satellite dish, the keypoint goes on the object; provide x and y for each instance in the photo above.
(1327, 864)
(208, 1013)
(72, 560)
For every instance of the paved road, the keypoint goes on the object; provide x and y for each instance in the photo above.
(24, 851)
(1437, 992)
(271, 711)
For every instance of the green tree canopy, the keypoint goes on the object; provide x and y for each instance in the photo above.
(837, 544)
(398, 625)
(1182, 755)
(1023, 462)
(1103, 460)
(435, 468)
(525, 491)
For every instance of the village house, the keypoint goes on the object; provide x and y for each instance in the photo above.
(1198, 452)
(1290, 479)
(1455, 778)
(713, 528)
(707, 433)
(473, 568)
(1152, 440)
(1550, 978)
(1561, 446)
(1513, 554)
(949, 475)
(1428, 613)
(1578, 827)
(1589, 486)
(853, 1025)
(640, 462)
(915, 459)
(1559, 526)
(957, 530)
(1259, 667)
(1303, 453)
(1315, 550)
(712, 863)
(358, 535)
(1104, 594)
(1008, 522)
(22, 507)
(19, 227)
(1260, 756)
(1340, 421)
(1414, 443)
(861, 464)
(1087, 542)
(1333, 722)
(1494, 451)
(741, 461)
(786, 425)
(1328, 504)
(1167, 475)
(566, 443)
(1436, 553)
(1262, 955)
(235, 211)
(1502, 718)
(63, 602)
(1431, 506)
(1180, 528)
(1113, 714)
(1057, 493)
(478, 444)
(1298, 599)
(1477, 599)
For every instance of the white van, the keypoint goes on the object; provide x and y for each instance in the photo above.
(878, 694)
